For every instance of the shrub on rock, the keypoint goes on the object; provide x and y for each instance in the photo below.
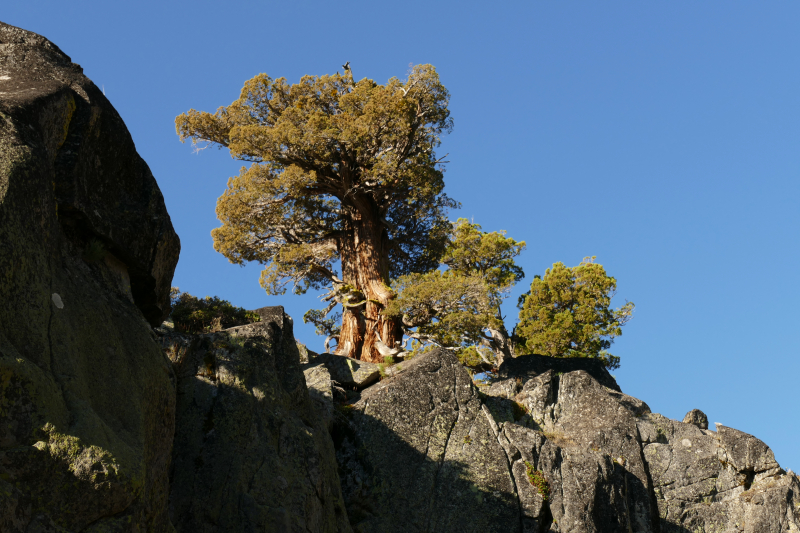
(191, 314)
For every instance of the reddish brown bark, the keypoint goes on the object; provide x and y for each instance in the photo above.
(364, 255)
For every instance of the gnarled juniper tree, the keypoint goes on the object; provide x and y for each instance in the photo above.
(341, 172)
(459, 307)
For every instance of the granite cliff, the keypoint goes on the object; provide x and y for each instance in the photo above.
(552, 445)
(112, 421)
(87, 253)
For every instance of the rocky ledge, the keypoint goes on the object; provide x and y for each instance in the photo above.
(109, 425)
(552, 445)
(251, 451)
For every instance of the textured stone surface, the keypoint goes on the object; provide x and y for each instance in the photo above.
(304, 352)
(59, 128)
(320, 388)
(419, 454)
(717, 481)
(251, 453)
(346, 371)
(415, 446)
(596, 419)
(696, 417)
(583, 437)
(86, 395)
(586, 487)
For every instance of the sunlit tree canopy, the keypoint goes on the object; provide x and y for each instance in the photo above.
(344, 189)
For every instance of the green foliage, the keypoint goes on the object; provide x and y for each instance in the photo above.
(418, 348)
(237, 343)
(472, 252)
(442, 305)
(537, 479)
(455, 306)
(198, 315)
(174, 293)
(387, 362)
(474, 356)
(328, 154)
(324, 326)
(567, 313)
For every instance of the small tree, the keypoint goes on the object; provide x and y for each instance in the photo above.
(342, 173)
(460, 307)
(567, 314)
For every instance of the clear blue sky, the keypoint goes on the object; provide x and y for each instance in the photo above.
(661, 137)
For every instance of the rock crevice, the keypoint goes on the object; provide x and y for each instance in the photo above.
(428, 434)
(87, 397)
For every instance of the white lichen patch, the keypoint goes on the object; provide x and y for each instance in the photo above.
(57, 300)
(4, 78)
(687, 443)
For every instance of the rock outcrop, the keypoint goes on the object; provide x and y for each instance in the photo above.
(717, 481)
(109, 425)
(87, 253)
(551, 445)
(419, 452)
(251, 451)
(344, 371)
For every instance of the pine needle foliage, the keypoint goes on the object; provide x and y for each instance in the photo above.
(567, 313)
(342, 173)
(459, 307)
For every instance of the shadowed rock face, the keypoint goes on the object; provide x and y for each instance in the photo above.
(419, 453)
(87, 254)
(546, 449)
(251, 452)
(59, 128)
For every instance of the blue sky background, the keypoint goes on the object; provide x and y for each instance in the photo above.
(661, 137)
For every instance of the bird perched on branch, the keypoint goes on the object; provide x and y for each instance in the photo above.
(346, 66)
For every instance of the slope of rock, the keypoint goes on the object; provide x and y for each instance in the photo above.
(87, 253)
(418, 453)
(251, 453)
(717, 481)
(552, 445)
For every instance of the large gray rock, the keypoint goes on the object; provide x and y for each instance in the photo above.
(58, 126)
(320, 388)
(344, 370)
(251, 452)
(717, 481)
(587, 491)
(582, 437)
(598, 419)
(419, 454)
(546, 449)
(87, 253)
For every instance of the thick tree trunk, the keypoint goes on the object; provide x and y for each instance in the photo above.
(364, 255)
(500, 344)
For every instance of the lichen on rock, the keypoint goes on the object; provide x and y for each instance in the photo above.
(86, 395)
(251, 451)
